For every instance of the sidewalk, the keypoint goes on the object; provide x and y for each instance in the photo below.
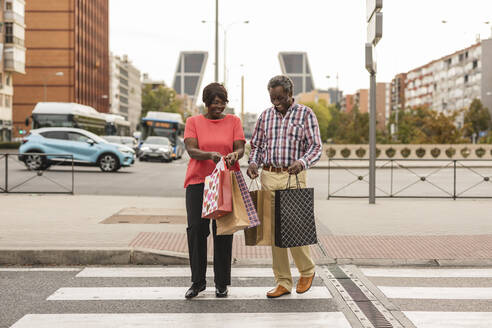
(67, 230)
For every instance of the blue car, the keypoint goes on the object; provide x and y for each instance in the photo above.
(87, 149)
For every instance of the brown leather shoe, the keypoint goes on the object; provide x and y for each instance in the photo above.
(277, 292)
(304, 284)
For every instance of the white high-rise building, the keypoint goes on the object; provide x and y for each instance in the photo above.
(125, 90)
(12, 59)
(454, 81)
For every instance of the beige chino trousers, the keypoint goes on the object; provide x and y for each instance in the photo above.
(280, 258)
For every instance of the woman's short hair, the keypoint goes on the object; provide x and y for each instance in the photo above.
(283, 81)
(214, 90)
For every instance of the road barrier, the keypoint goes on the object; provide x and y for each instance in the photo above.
(21, 178)
(398, 178)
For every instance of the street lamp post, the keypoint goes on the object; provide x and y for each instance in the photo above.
(216, 41)
(45, 89)
(225, 46)
(225, 29)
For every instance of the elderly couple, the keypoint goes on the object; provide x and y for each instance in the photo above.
(286, 141)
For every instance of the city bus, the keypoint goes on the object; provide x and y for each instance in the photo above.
(116, 125)
(70, 115)
(163, 124)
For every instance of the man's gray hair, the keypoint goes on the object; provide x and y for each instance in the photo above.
(281, 80)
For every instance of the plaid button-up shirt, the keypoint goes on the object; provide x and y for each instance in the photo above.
(281, 140)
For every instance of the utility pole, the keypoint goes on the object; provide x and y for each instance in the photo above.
(374, 34)
(242, 99)
(216, 40)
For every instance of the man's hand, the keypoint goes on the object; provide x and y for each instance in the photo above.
(215, 156)
(232, 158)
(252, 171)
(295, 168)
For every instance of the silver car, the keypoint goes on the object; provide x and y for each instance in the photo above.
(156, 148)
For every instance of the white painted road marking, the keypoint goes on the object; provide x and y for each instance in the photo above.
(173, 293)
(38, 269)
(186, 320)
(153, 272)
(450, 319)
(428, 273)
(438, 293)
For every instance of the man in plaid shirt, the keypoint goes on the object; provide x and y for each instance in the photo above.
(286, 141)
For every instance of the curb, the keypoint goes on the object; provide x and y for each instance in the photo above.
(141, 256)
(122, 256)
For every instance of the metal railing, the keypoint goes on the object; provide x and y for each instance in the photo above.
(25, 180)
(389, 185)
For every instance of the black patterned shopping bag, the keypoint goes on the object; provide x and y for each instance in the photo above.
(294, 217)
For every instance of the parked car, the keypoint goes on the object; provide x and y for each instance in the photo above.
(180, 148)
(87, 149)
(158, 148)
(123, 140)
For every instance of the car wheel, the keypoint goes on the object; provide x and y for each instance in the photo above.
(141, 159)
(36, 162)
(109, 163)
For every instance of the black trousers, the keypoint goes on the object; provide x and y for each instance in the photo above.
(198, 230)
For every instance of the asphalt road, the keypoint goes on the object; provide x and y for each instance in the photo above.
(153, 297)
(166, 180)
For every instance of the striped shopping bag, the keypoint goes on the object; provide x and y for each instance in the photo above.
(248, 202)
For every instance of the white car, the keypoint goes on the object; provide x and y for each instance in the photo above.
(156, 148)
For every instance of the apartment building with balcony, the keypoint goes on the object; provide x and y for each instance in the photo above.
(125, 89)
(452, 82)
(13, 58)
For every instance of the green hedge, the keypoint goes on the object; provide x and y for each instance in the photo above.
(9, 145)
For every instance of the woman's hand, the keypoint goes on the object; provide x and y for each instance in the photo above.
(232, 158)
(215, 156)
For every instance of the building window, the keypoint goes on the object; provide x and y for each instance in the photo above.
(475, 63)
(466, 78)
(7, 101)
(448, 62)
(1, 82)
(462, 56)
(8, 80)
(9, 33)
(466, 54)
(8, 5)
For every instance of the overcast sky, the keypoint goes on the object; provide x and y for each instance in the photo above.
(332, 32)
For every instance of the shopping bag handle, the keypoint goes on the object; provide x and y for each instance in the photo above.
(297, 181)
(256, 182)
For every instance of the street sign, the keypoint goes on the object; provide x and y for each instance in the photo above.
(372, 7)
(370, 59)
(375, 29)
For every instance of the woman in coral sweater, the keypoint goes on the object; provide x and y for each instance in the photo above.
(208, 138)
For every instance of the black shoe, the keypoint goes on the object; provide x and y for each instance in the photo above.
(195, 289)
(221, 291)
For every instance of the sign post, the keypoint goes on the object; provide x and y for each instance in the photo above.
(374, 34)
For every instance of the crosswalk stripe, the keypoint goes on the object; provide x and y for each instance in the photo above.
(173, 293)
(438, 293)
(39, 269)
(428, 273)
(151, 272)
(449, 319)
(185, 320)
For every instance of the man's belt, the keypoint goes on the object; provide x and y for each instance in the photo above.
(275, 169)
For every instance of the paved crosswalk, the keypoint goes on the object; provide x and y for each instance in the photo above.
(111, 288)
(438, 297)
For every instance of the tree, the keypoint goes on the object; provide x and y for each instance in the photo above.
(161, 99)
(322, 111)
(477, 119)
(423, 125)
